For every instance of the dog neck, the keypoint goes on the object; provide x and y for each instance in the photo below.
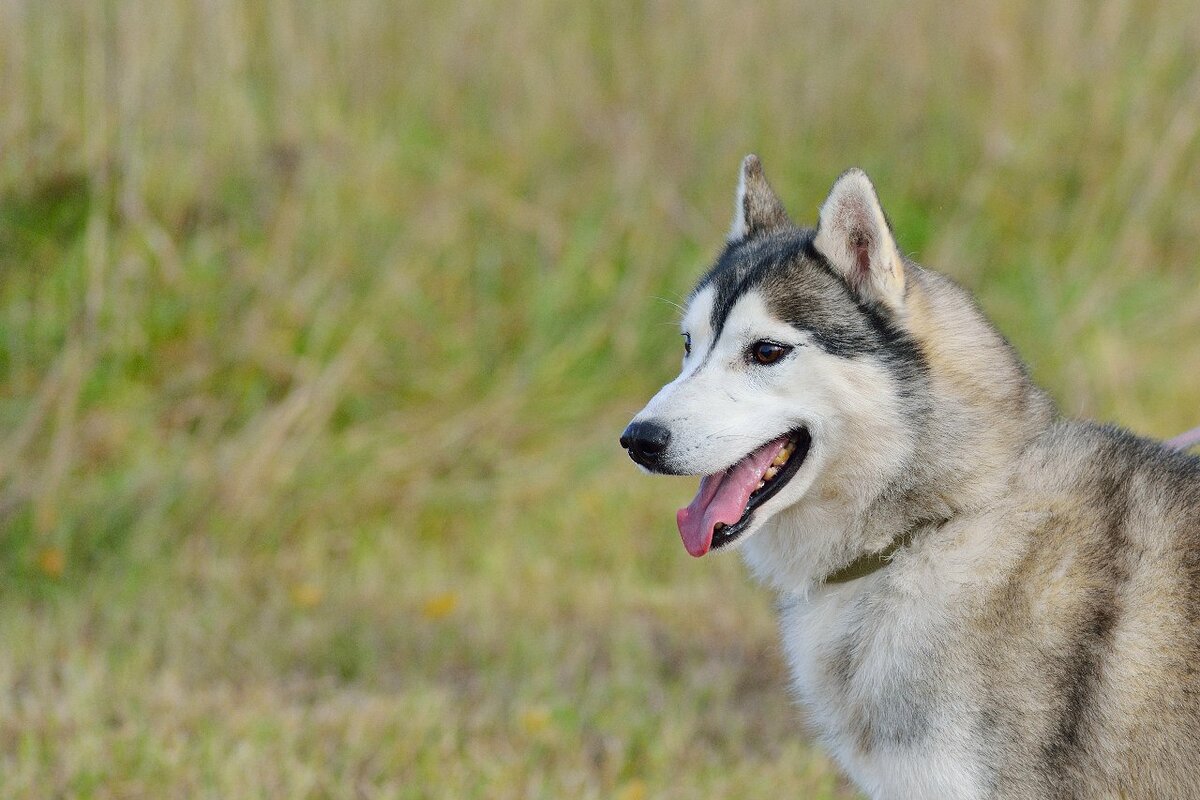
(869, 563)
(984, 409)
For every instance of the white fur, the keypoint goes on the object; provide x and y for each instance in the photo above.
(940, 766)
(739, 228)
(946, 674)
(859, 441)
(720, 408)
(916, 601)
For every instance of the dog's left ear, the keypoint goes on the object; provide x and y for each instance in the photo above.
(756, 209)
(854, 235)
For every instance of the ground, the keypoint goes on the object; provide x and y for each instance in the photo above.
(320, 323)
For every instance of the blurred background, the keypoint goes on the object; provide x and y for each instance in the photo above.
(320, 321)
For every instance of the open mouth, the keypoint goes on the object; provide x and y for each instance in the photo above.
(725, 503)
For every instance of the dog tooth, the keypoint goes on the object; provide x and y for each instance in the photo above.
(760, 485)
(780, 459)
(772, 471)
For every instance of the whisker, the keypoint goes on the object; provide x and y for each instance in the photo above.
(671, 303)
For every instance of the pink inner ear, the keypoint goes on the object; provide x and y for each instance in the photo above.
(861, 243)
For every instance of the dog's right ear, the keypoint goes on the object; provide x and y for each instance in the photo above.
(757, 208)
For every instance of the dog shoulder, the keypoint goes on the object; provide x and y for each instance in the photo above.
(1102, 607)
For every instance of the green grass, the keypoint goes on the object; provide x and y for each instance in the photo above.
(319, 323)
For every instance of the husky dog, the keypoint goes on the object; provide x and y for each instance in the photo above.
(978, 598)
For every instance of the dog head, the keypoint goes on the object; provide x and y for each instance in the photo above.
(799, 381)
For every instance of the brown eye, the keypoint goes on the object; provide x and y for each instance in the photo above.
(765, 352)
(687, 344)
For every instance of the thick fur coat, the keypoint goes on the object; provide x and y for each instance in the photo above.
(1034, 631)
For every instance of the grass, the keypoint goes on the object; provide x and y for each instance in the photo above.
(319, 323)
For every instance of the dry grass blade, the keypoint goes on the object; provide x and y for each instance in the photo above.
(320, 322)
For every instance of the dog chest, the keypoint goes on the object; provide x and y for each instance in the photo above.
(878, 686)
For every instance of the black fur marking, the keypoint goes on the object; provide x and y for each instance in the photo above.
(745, 264)
(804, 290)
(1111, 559)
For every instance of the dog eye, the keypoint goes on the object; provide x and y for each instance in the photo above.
(765, 352)
(687, 344)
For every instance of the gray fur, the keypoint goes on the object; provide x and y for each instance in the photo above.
(1040, 636)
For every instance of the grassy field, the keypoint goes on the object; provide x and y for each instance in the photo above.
(319, 323)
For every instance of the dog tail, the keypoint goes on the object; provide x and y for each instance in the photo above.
(1185, 441)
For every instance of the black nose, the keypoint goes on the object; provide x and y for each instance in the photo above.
(646, 443)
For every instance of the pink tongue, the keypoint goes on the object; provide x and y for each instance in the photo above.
(723, 497)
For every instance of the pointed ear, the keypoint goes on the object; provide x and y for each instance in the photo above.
(757, 209)
(855, 236)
